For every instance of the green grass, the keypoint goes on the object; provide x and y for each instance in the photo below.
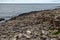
(56, 33)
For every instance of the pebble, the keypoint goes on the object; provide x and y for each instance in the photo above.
(27, 36)
(28, 32)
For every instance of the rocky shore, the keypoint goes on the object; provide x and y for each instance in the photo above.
(35, 25)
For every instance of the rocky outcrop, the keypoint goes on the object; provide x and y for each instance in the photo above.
(1, 19)
(36, 25)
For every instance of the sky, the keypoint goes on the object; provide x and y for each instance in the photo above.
(29, 1)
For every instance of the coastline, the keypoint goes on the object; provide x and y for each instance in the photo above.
(38, 25)
(31, 12)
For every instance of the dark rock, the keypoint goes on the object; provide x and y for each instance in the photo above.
(1, 19)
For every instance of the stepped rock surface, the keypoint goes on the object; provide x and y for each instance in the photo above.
(35, 25)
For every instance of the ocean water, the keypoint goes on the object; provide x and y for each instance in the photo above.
(10, 10)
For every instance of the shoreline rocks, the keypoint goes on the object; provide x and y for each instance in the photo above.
(1, 19)
(36, 25)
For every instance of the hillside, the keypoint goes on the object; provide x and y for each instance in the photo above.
(35, 25)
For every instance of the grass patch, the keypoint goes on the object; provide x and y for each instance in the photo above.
(56, 33)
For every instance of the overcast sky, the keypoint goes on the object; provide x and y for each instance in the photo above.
(29, 1)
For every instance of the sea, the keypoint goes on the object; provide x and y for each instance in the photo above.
(9, 10)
